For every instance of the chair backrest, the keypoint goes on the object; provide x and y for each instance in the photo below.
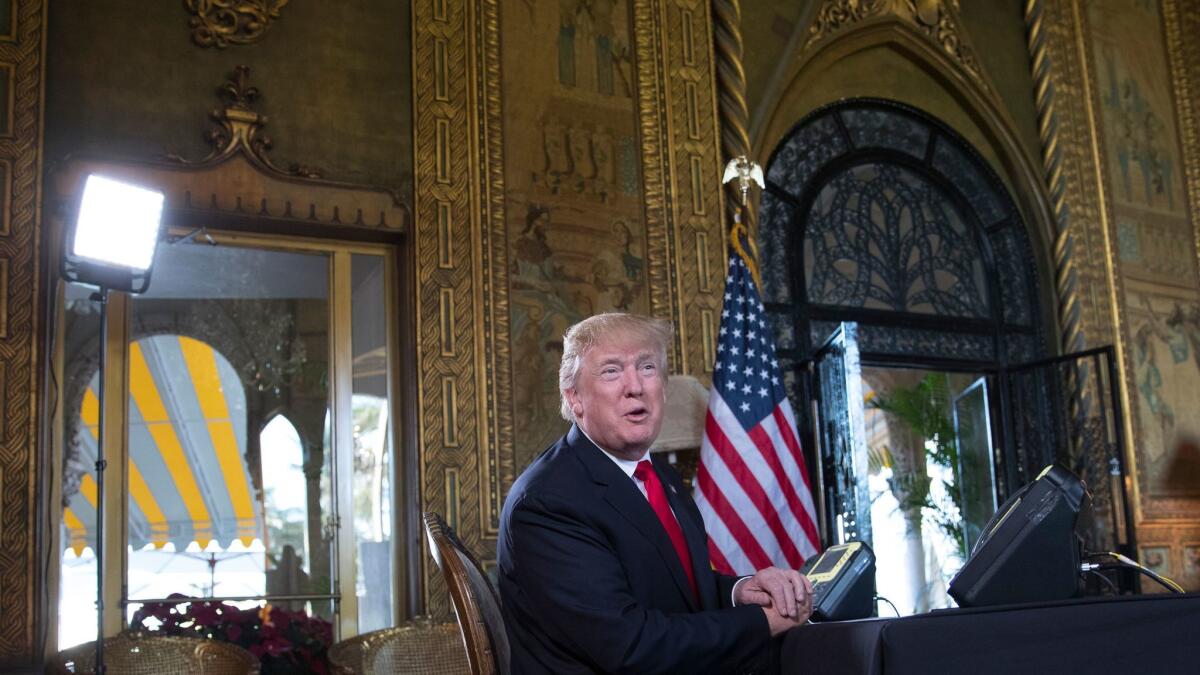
(135, 653)
(475, 600)
(420, 646)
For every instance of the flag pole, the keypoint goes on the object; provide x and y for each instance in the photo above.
(745, 171)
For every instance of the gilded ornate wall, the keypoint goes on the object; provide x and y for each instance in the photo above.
(1123, 77)
(566, 165)
(22, 56)
(564, 158)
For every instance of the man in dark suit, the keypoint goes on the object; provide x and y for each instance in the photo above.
(603, 560)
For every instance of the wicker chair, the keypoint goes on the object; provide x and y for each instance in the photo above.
(134, 653)
(419, 646)
(475, 600)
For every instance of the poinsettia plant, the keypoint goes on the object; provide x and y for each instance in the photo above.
(285, 641)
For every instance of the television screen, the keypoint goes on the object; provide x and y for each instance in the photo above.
(1030, 549)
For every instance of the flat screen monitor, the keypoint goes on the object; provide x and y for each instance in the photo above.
(1030, 549)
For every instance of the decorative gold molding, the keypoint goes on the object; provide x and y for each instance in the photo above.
(680, 168)
(694, 160)
(22, 610)
(498, 469)
(220, 23)
(462, 271)
(935, 19)
(442, 203)
(655, 137)
(1094, 179)
(1184, 57)
(1182, 21)
(731, 96)
(1066, 280)
(836, 15)
(240, 129)
(265, 190)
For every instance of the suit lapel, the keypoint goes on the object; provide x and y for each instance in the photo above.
(625, 497)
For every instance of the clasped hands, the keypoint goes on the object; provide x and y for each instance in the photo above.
(784, 595)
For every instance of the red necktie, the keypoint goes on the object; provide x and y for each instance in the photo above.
(658, 501)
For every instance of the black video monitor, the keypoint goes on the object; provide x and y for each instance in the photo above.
(1030, 550)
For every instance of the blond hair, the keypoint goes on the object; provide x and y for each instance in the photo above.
(583, 336)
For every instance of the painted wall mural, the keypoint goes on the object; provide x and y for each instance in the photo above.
(1129, 86)
(577, 239)
(1137, 104)
(1165, 356)
(1155, 243)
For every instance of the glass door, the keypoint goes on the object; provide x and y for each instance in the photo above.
(976, 468)
(257, 459)
(228, 339)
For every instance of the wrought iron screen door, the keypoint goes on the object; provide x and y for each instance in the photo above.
(1066, 409)
(842, 446)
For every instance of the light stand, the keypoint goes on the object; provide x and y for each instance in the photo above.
(101, 295)
(110, 245)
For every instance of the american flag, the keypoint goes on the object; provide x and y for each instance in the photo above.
(752, 486)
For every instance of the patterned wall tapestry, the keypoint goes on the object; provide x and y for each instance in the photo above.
(576, 236)
(1155, 243)
(1123, 75)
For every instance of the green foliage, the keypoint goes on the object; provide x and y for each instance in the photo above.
(925, 409)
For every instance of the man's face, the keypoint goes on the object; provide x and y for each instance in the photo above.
(619, 396)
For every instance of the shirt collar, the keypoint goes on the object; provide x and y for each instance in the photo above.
(626, 465)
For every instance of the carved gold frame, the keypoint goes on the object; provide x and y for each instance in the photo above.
(22, 609)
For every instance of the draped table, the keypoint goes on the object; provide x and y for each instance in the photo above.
(1128, 634)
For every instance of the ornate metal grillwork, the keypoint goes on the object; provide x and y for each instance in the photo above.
(1038, 394)
(877, 213)
(881, 236)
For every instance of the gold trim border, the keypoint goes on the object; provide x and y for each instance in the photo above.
(21, 610)
(462, 270)
(681, 189)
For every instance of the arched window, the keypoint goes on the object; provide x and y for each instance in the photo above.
(285, 497)
(877, 213)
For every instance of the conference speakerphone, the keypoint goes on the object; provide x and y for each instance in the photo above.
(843, 579)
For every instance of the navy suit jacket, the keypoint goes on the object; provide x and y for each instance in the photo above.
(589, 581)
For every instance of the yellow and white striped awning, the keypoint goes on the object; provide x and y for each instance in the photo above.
(188, 475)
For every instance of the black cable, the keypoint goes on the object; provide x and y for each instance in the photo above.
(1127, 562)
(1107, 581)
(1143, 570)
(889, 602)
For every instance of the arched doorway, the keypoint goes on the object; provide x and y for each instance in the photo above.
(901, 281)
